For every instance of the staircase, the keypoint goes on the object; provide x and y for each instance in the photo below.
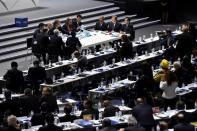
(13, 39)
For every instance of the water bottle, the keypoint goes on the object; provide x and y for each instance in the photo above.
(79, 70)
(62, 75)
(104, 63)
(120, 114)
(56, 120)
(100, 116)
(140, 39)
(42, 63)
(153, 50)
(53, 78)
(113, 61)
(168, 109)
(50, 63)
(122, 102)
(112, 80)
(59, 59)
(162, 47)
(196, 105)
(144, 37)
(136, 55)
(117, 114)
(99, 105)
(151, 36)
(75, 110)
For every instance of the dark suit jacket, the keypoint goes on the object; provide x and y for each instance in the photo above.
(126, 51)
(38, 119)
(108, 129)
(134, 128)
(144, 115)
(101, 27)
(128, 29)
(82, 62)
(72, 43)
(50, 127)
(9, 105)
(42, 42)
(186, 42)
(28, 104)
(55, 45)
(184, 127)
(110, 111)
(36, 74)
(76, 24)
(68, 118)
(117, 27)
(14, 79)
(51, 102)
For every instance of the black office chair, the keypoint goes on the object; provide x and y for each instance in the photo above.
(29, 42)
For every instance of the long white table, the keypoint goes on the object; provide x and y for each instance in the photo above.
(101, 70)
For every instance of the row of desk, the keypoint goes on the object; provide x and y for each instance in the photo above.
(94, 38)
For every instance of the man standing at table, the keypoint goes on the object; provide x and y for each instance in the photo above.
(144, 114)
(14, 78)
(36, 75)
(114, 25)
(101, 25)
(127, 28)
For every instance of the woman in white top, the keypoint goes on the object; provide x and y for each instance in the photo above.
(169, 84)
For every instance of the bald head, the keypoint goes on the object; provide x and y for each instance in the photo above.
(181, 118)
(139, 101)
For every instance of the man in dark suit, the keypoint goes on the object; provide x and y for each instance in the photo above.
(126, 50)
(42, 44)
(29, 102)
(50, 99)
(9, 105)
(107, 126)
(82, 60)
(77, 23)
(127, 28)
(55, 46)
(186, 42)
(72, 44)
(38, 118)
(14, 78)
(36, 75)
(109, 110)
(182, 125)
(68, 117)
(144, 114)
(114, 25)
(101, 25)
(39, 30)
(50, 124)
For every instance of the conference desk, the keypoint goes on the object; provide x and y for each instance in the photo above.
(100, 72)
(101, 91)
(92, 38)
(116, 120)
